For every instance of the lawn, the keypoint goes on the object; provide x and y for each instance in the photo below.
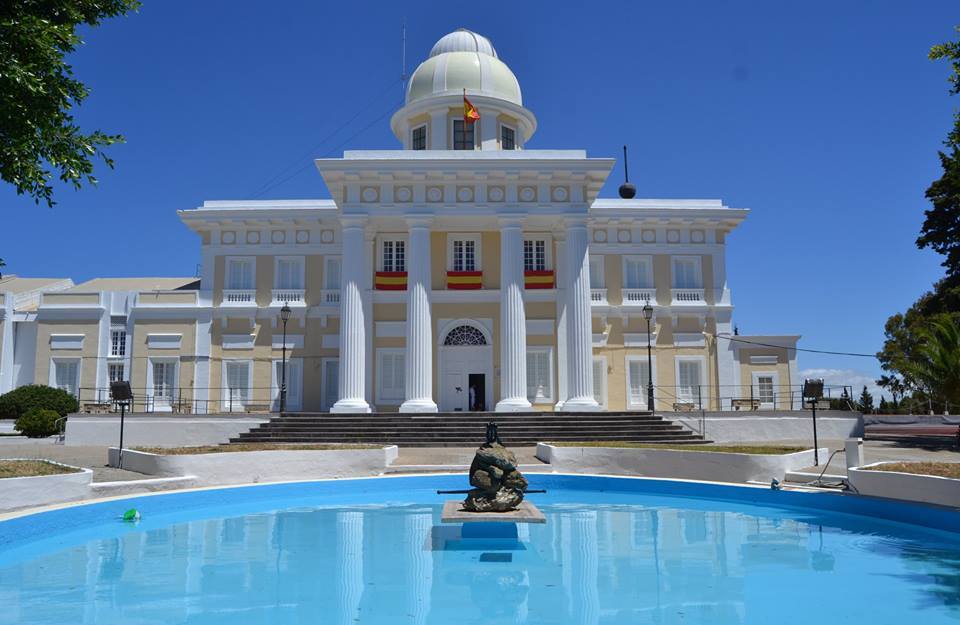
(767, 450)
(218, 449)
(31, 468)
(942, 469)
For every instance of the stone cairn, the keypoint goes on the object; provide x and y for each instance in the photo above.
(497, 484)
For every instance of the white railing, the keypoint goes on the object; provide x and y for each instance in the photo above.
(686, 296)
(330, 297)
(239, 297)
(598, 297)
(279, 297)
(639, 297)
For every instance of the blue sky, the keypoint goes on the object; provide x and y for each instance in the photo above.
(824, 118)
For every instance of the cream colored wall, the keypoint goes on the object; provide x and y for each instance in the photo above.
(141, 354)
(781, 368)
(491, 260)
(90, 329)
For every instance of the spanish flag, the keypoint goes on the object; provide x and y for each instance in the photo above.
(470, 112)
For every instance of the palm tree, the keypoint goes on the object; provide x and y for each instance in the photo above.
(935, 369)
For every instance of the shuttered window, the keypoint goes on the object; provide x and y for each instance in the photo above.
(239, 273)
(67, 375)
(638, 372)
(238, 384)
(596, 272)
(689, 380)
(391, 376)
(294, 382)
(331, 273)
(289, 273)
(637, 272)
(331, 383)
(686, 273)
(539, 375)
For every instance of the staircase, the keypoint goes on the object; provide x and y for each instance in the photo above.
(454, 429)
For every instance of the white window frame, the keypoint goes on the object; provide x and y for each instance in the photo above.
(225, 383)
(327, 272)
(500, 127)
(478, 260)
(53, 373)
(547, 249)
(389, 400)
(294, 402)
(300, 271)
(644, 259)
(755, 384)
(549, 398)
(603, 379)
(150, 382)
(123, 369)
(113, 333)
(391, 238)
(703, 375)
(227, 283)
(698, 271)
(598, 259)
(626, 366)
(426, 136)
(326, 392)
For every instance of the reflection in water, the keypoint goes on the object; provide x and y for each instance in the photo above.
(596, 564)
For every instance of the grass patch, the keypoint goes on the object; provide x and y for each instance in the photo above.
(766, 450)
(31, 468)
(942, 469)
(219, 449)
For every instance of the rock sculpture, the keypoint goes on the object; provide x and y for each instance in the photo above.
(497, 484)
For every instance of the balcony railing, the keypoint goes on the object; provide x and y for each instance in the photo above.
(598, 297)
(239, 297)
(330, 297)
(279, 297)
(680, 297)
(639, 297)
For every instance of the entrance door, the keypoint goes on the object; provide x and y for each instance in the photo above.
(477, 383)
(466, 363)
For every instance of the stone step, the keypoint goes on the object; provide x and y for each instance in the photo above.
(433, 427)
(443, 441)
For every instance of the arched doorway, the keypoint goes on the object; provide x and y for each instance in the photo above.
(466, 367)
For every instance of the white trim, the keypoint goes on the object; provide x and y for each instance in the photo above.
(379, 397)
(163, 407)
(598, 259)
(689, 339)
(294, 402)
(392, 237)
(301, 262)
(764, 359)
(644, 259)
(754, 384)
(697, 272)
(426, 135)
(52, 374)
(702, 360)
(330, 341)
(626, 367)
(551, 375)
(66, 341)
(294, 341)
(516, 136)
(603, 379)
(446, 325)
(391, 329)
(237, 341)
(547, 248)
(164, 341)
(639, 339)
(541, 327)
(477, 245)
(324, 391)
(227, 286)
(327, 261)
(227, 405)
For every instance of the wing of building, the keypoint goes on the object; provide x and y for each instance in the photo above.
(462, 272)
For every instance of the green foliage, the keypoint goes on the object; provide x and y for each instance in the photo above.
(38, 91)
(935, 368)
(38, 423)
(865, 403)
(19, 401)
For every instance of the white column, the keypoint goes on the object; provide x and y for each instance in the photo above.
(419, 353)
(559, 264)
(6, 342)
(579, 321)
(353, 341)
(349, 574)
(513, 319)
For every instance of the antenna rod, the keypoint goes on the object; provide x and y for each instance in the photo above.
(626, 176)
(403, 54)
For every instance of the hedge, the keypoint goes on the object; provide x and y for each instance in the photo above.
(19, 401)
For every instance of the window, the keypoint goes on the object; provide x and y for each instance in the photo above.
(236, 376)
(637, 272)
(164, 381)
(116, 371)
(118, 343)
(288, 272)
(463, 252)
(637, 381)
(596, 272)
(419, 138)
(390, 376)
(600, 380)
(239, 273)
(393, 255)
(689, 379)
(540, 375)
(534, 255)
(462, 336)
(331, 382)
(765, 388)
(66, 375)
(686, 273)
(463, 135)
(507, 138)
(294, 379)
(331, 273)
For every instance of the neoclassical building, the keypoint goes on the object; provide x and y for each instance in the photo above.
(462, 271)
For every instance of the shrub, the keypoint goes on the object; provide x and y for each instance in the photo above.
(19, 401)
(38, 423)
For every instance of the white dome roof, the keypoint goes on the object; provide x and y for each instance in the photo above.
(464, 60)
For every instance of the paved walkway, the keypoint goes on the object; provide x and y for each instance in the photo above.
(46, 448)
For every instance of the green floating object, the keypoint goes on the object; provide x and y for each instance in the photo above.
(131, 515)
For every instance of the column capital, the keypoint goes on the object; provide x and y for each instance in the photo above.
(419, 221)
(507, 220)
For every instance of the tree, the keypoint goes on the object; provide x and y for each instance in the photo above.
(38, 91)
(865, 403)
(935, 369)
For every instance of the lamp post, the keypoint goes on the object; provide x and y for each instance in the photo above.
(284, 317)
(648, 315)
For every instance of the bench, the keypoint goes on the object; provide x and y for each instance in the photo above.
(97, 407)
(745, 402)
(684, 406)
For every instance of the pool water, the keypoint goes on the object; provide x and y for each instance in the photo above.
(328, 555)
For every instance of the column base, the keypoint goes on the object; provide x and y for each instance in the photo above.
(350, 405)
(581, 404)
(513, 404)
(419, 405)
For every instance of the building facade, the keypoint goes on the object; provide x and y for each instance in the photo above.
(461, 272)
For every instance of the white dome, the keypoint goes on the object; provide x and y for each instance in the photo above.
(463, 40)
(464, 60)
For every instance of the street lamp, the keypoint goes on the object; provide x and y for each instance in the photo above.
(648, 315)
(284, 317)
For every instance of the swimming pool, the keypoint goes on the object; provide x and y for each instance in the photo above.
(372, 551)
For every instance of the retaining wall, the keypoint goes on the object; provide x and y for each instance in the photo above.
(157, 431)
(44, 490)
(765, 426)
(943, 491)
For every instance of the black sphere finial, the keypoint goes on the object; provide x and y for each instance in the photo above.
(627, 190)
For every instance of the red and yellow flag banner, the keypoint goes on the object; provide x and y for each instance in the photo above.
(390, 281)
(464, 280)
(538, 279)
(470, 112)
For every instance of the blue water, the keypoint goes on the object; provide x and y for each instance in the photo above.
(613, 551)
